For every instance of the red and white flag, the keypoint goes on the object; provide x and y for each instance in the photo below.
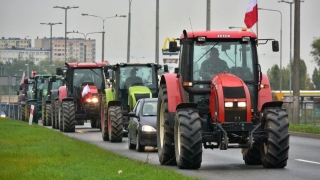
(251, 16)
(85, 91)
(23, 78)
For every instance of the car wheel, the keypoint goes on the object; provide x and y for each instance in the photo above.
(139, 147)
(130, 145)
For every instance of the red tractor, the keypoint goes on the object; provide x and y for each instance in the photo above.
(228, 109)
(82, 96)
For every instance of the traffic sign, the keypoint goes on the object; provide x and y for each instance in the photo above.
(279, 96)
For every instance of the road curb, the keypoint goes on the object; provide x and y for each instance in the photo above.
(308, 135)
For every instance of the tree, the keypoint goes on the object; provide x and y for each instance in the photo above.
(315, 52)
(316, 78)
(274, 76)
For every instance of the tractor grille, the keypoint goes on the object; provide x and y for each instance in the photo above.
(232, 114)
(140, 96)
(234, 92)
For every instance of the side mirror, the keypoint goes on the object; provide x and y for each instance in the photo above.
(173, 47)
(165, 68)
(275, 46)
(59, 71)
(53, 79)
(132, 114)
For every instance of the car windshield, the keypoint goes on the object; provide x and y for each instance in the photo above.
(149, 109)
(237, 56)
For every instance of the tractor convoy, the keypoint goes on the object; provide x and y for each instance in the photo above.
(198, 106)
(217, 98)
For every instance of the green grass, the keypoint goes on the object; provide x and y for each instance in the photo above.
(35, 152)
(304, 128)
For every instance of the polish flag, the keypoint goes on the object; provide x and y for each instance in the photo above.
(251, 16)
(86, 91)
(23, 78)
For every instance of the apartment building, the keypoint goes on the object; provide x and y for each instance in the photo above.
(32, 54)
(14, 42)
(75, 48)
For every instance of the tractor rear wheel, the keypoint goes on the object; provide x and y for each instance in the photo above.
(165, 130)
(275, 149)
(48, 114)
(68, 116)
(104, 120)
(22, 109)
(188, 139)
(43, 112)
(56, 113)
(115, 125)
(252, 156)
(52, 110)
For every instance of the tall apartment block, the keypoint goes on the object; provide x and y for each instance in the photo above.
(75, 48)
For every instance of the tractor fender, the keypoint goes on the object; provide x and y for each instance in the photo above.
(271, 104)
(62, 93)
(186, 105)
(114, 103)
(31, 100)
(175, 92)
(265, 94)
(48, 102)
(109, 95)
(54, 93)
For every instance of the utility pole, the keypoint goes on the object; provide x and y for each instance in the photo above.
(157, 32)
(296, 63)
(208, 15)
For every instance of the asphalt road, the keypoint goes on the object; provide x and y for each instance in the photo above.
(303, 163)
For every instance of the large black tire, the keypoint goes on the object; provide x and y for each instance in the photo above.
(43, 112)
(68, 116)
(188, 139)
(275, 149)
(52, 110)
(56, 114)
(165, 129)
(115, 124)
(130, 145)
(48, 114)
(104, 119)
(93, 123)
(139, 147)
(252, 156)
(22, 109)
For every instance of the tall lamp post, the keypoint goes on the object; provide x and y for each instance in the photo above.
(65, 31)
(129, 29)
(280, 43)
(103, 19)
(85, 41)
(50, 24)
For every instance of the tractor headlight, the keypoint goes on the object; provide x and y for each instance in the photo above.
(242, 104)
(148, 128)
(228, 104)
(95, 100)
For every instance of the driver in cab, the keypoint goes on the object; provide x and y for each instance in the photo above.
(133, 79)
(213, 65)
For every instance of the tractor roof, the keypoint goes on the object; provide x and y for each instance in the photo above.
(135, 64)
(86, 65)
(220, 34)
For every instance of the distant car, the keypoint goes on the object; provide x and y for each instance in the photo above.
(3, 114)
(142, 124)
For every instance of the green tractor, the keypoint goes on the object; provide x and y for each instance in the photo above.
(50, 84)
(34, 95)
(129, 83)
(25, 88)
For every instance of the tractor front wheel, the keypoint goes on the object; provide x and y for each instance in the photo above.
(68, 116)
(252, 156)
(188, 139)
(165, 128)
(104, 120)
(48, 114)
(115, 125)
(275, 148)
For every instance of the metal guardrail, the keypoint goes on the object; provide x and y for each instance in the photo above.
(309, 112)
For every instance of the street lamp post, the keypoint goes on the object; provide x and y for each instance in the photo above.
(65, 31)
(85, 41)
(50, 24)
(103, 19)
(280, 43)
(129, 29)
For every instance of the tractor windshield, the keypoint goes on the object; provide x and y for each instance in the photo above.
(213, 57)
(57, 84)
(86, 76)
(138, 75)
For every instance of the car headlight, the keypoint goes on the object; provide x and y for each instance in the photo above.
(228, 104)
(95, 100)
(148, 128)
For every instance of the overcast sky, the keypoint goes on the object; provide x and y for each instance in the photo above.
(21, 18)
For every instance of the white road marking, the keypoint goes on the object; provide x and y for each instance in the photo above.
(307, 161)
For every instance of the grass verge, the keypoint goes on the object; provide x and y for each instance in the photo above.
(34, 152)
(304, 128)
